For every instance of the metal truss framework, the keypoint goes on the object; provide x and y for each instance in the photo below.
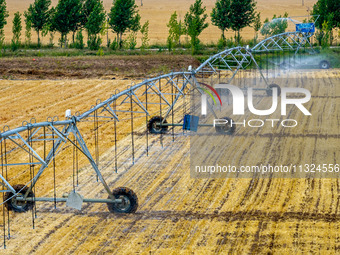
(282, 42)
(132, 100)
(232, 60)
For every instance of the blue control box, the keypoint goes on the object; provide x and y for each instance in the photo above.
(305, 27)
(190, 122)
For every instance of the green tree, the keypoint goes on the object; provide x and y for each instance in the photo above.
(28, 29)
(265, 30)
(176, 30)
(145, 35)
(334, 7)
(96, 19)
(172, 25)
(16, 29)
(50, 28)
(257, 25)
(181, 30)
(3, 21)
(67, 18)
(195, 23)
(221, 16)
(39, 15)
(131, 41)
(326, 12)
(124, 17)
(79, 42)
(326, 29)
(94, 25)
(276, 26)
(243, 14)
(75, 17)
(87, 8)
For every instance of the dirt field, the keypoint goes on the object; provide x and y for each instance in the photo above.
(108, 67)
(158, 13)
(178, 214)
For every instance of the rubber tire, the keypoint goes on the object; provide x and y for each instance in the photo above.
(128, 194)
(223, 130)
(324, 64)
(270, 89)
(153, 121)
(11, 205)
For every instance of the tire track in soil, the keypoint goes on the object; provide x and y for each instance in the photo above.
(224, 200)
(161, 194)
(150, 238)
(86, 229)
(126, 229)
(133, 223)
(145, 180)
(49, 234)
(108, 242)
(225, 216)
(260, 195)
(48, 208)
(173, 226)
(208, 185)
(254, 181)
(173, 184)
(256, 242)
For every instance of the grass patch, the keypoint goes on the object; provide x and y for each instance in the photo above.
(206, 50)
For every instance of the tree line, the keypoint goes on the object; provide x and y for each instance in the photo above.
(74, 17)
(227, 14)
(237, 14)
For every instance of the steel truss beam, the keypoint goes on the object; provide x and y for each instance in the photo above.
(285, 41)
(60, 131)
(230, 60)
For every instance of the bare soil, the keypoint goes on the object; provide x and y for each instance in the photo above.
(178, 214)
(108, 67)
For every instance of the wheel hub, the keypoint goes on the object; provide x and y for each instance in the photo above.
(125, 204)
(157, 126)
(18, 204)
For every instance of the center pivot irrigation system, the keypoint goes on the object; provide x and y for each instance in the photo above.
(159, 97)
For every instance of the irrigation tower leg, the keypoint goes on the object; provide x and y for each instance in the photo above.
(87, 153)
